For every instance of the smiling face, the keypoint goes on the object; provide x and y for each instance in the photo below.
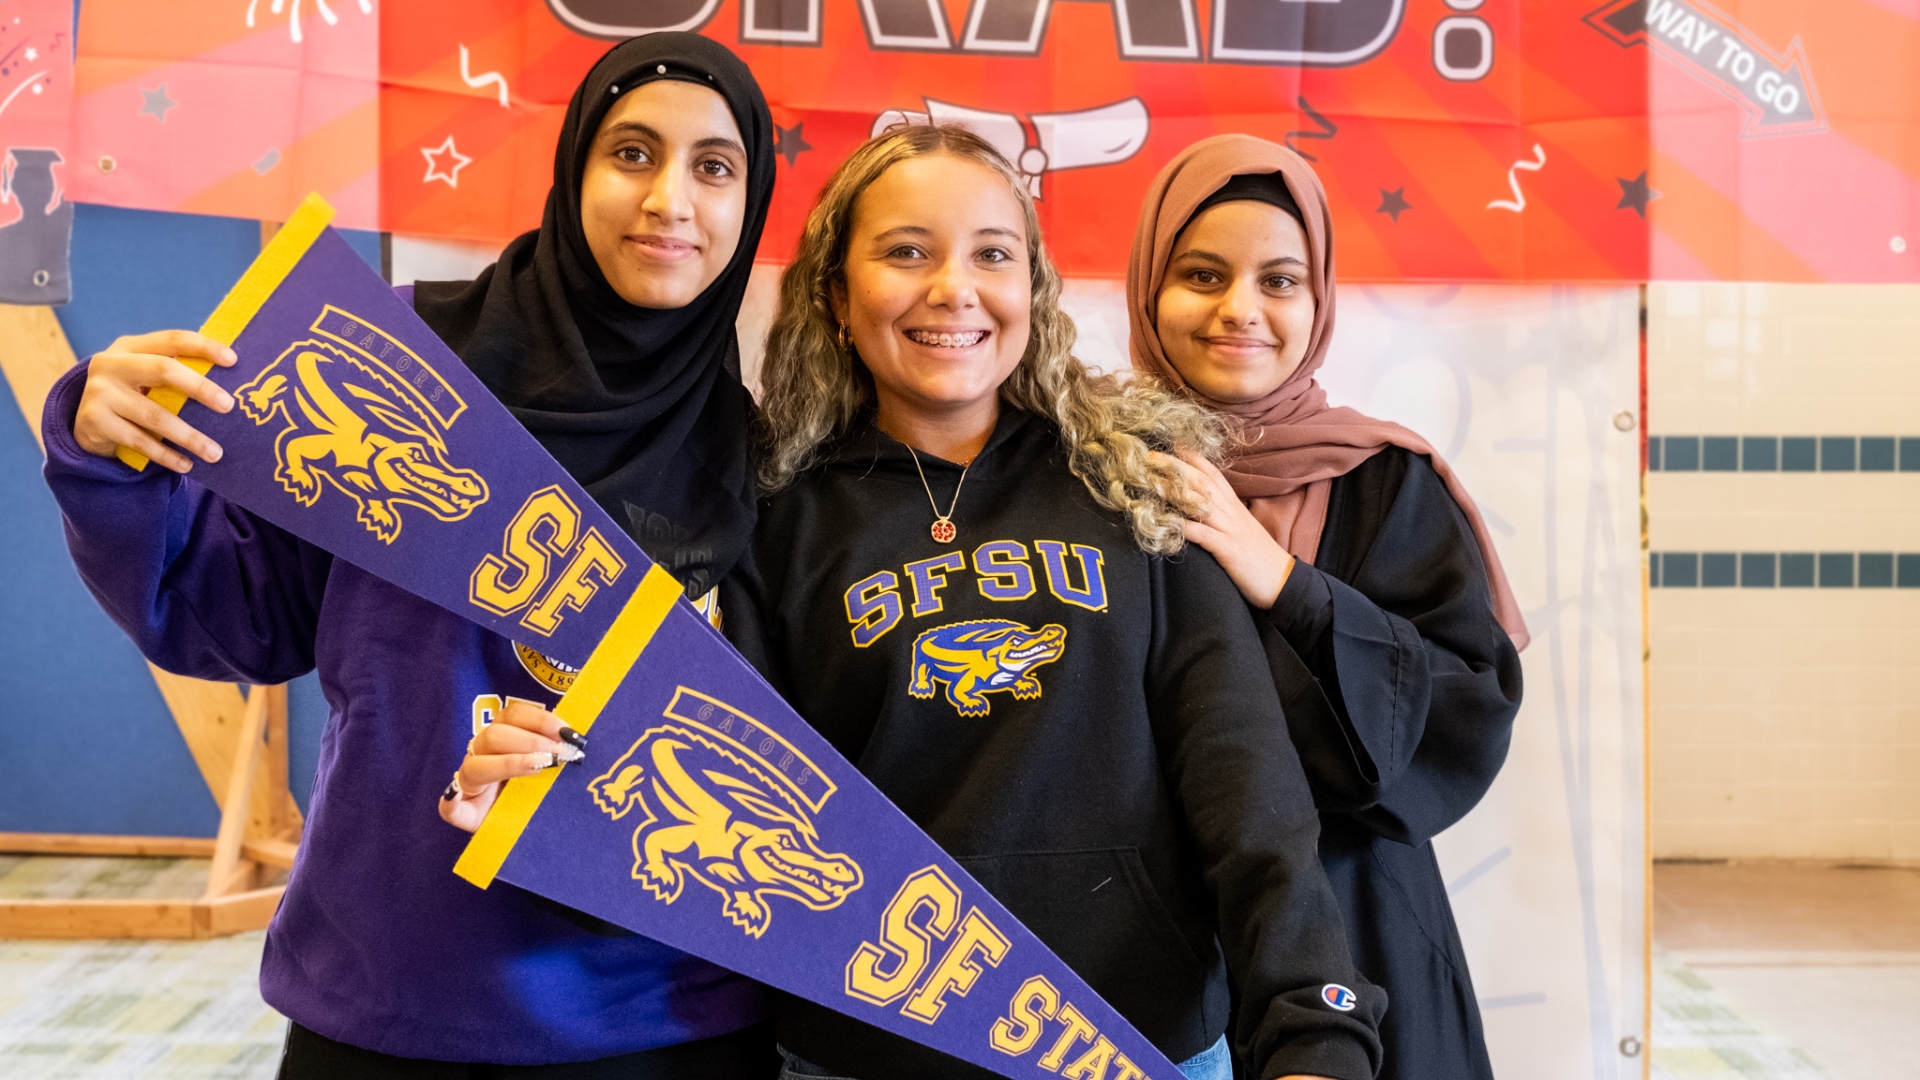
(1235, 310)
(664, 193)
(937, 295)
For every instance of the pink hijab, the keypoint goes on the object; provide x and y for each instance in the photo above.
(1297, 443)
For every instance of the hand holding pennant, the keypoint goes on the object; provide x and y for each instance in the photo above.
(720, 823)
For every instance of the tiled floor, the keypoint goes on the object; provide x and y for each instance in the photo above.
(1784, 971)
(121, 1010)
(1761, 973)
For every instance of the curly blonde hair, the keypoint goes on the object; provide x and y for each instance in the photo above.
(814, 388)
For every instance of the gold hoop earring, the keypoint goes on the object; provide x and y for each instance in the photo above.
(843, 336)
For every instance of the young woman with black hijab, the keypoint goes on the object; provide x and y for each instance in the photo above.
(609, 333)
(1390, 629)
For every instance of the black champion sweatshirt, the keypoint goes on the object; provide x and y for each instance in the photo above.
(1090, 730)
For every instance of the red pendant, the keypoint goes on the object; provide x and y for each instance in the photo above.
(943, 531)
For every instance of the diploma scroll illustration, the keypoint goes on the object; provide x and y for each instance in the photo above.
(719, 822)
(1107, 135)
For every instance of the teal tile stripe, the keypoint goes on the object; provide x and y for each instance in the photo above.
(1783, 570)
(1783, 453)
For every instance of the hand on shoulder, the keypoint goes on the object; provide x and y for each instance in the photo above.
(1229, 532)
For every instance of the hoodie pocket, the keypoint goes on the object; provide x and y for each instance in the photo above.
(1099, 912)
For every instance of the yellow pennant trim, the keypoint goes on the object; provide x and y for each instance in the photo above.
(602, 674)
(247, 297)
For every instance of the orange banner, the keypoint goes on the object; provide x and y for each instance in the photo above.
(1429, 126)
(1460, 140)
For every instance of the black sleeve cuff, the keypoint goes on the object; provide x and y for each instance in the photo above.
(1331, 1054)
(1303, 612)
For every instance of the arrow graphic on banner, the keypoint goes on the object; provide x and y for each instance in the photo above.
(1777, 91)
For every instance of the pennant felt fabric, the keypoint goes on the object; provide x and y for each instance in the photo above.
(722, 824)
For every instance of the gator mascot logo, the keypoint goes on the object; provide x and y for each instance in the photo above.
(977, 658)
(717, 812)
(355, 422)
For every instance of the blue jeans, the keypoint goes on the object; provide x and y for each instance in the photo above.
(1213, 1063)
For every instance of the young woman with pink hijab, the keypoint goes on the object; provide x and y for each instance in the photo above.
(1390, 629)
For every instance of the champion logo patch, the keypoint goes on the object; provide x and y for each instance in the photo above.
(1338, 997)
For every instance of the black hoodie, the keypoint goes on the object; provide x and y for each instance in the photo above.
(1090, 730)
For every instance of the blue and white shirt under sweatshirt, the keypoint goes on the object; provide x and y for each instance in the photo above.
(377, 943)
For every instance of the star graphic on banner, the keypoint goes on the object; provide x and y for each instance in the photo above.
(1635, 194)
(437, 167)
(157, 103)
(789, 143)
(32, 54)
(1393, 202)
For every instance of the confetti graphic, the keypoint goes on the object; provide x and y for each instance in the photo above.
(485, 78)
(292, 9)
(1519, 200)
(438, 160)
(1323, 129)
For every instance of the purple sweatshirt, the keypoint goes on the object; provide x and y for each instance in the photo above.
(377, 944)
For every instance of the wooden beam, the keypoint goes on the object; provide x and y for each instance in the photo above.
(209, 716)
(190, 847)
(278, 853)
(274, 814)
(228, 875)
(251, 910)
(97, 918)
(33, 353)
(238, 913)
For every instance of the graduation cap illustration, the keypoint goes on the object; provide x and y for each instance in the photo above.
(33, 249)
(1106, 135)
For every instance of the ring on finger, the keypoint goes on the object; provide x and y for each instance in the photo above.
(456, 791)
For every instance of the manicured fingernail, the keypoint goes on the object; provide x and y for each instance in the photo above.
(551, 761)
(570, 754)
(572, 737)
(447, 795)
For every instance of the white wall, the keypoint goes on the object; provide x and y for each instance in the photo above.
(1519, 388)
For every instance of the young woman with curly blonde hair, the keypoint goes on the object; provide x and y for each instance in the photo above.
(968, 576)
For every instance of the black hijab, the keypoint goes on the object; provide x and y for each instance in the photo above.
(644, 407)
(1269, 188)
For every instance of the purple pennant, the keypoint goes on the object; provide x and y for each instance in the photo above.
(720, 823)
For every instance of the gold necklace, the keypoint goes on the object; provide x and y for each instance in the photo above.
(943, 530)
